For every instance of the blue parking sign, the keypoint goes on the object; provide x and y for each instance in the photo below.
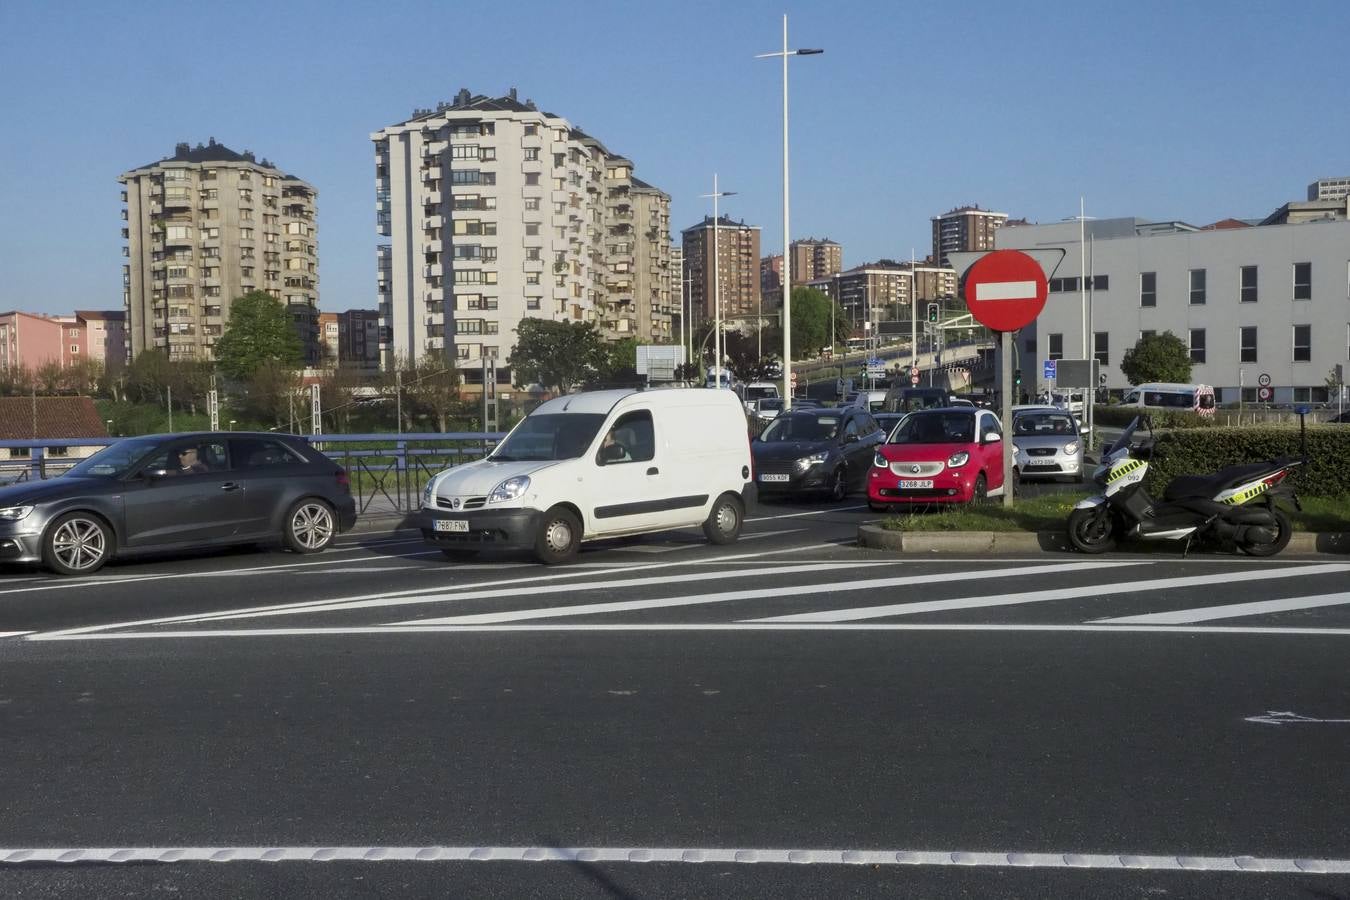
(1048, 370)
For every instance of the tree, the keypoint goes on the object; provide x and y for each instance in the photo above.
(557, 355)
(432, 389)
(1157, 357)
(273, 391)
(259, 331)
(811, 313)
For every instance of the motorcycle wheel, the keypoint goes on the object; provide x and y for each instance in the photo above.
(1284, 531)
(1091, 530)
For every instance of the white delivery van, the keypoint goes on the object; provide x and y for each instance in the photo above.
(599, 465)
(758, 390)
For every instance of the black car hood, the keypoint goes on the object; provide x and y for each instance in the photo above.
(774, 451)
(26, 492)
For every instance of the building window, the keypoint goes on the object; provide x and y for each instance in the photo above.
(532, 254)
(1056, 347)
(532, 302)
(1101, 347)
(531, 130)
(1063, 285)
(1303, 281)
(531, 202)
(1247, 344)
(531, 277)
(531, 154)
(1197, 287)
(1148, 288)
(1302, 343)
(531, 179)
(1197, 345)
(1147, 333)
(532, 228)
(1248, 281)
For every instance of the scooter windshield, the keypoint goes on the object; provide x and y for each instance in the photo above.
(1125, 438)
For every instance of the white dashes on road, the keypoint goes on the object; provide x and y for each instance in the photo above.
(1232, 611)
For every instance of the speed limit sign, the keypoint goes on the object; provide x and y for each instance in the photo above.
(1263, 380)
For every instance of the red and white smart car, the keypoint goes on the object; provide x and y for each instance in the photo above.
(952, 455)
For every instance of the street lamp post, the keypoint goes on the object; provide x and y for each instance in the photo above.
(717, 281)
(787, 233)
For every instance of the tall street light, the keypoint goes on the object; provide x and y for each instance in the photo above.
(717, 280)
(787, 234)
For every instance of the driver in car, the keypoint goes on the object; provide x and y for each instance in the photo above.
(188, 464)
(612, 449)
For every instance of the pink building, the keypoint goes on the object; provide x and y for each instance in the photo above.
(31, 341)
(105, 336)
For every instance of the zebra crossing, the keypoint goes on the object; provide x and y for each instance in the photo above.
(806, 590)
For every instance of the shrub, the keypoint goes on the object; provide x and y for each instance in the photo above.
(1191, 451)
(1121, 416)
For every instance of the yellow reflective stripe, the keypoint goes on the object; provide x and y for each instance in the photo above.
(1248, 494)
(1124, 468)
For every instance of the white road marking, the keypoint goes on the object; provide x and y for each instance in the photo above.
(532, 628)
(1232, 611)
(589, 609)
(1071, 593)
(5, 634)
(1005, 290)
(303, 606)
(691, 855)
(814, 512)
(1292, 718)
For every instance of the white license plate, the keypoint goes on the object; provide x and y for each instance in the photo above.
(912, 484)
(769, 477)
(1040, 462)
(459, 525)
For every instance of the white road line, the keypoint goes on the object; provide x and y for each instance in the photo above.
(5, 634)
(814, 512)
(1232, 611)
(305, 605)
(1071, 593)
(533, 628)
(590, 609)
(691, 855)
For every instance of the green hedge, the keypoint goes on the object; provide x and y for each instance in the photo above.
(1121, 416)
(1206, 450)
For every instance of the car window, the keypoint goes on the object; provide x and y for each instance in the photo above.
(630, 439)
(190, 457)
(988, 426)
(802, 427)
(1041, 424)
(852, 426)
(935, 428)
(260, 453)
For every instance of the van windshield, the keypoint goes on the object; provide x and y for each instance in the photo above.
(550, 437)
(758, 393)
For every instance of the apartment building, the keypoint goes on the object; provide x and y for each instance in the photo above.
(105, 336)
(496, 211)
(884, 291)
(33, 340)
(359, 338)
(1269, 300)
(771, 281)
(655, 293)
(1329, 189)
(966, 228)
(329, 342)
(207, 225)
(812, 259)
(738, 268)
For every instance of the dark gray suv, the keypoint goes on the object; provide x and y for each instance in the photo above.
(177, 491)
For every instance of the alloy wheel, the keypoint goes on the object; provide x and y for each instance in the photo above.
(312, 526)
(79, 544)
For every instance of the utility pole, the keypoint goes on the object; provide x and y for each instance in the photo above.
(170, 390)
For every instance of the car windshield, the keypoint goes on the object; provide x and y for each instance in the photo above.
(116, 460)
(770, 404)
(758, 393)
(802, 427)
(550, 437)
(1042, 424)
(935, 428)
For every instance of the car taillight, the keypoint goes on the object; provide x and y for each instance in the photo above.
(344, 481)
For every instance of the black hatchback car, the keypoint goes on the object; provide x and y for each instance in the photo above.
(177, 491)
(816, 451)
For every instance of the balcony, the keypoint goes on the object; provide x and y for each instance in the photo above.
(434, 295)
(435, 270)
(430, 174)
(433, 222)
(432, 197)
(434, 148)
(432, 246)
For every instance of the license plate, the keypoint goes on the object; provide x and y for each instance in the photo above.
(915, 484)
(1040, 462)
(459, 525)
(769, 477)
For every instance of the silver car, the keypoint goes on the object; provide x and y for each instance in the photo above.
(1047, 444)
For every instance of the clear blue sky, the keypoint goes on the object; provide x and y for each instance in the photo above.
(1195, 111)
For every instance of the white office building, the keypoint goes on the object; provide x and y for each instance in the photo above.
(1270, 300)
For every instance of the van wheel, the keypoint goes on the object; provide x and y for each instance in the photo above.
(559, 536)
(724, 522)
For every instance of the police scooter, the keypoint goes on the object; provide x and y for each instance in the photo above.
(1236, 503)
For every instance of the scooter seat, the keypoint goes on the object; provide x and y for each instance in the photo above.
(1187, 486)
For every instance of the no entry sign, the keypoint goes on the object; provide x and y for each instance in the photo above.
(1006, 290)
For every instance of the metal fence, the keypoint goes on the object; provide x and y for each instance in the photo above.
(387, 471)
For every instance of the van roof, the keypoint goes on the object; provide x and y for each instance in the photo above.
(603, 401)
(1167, 386)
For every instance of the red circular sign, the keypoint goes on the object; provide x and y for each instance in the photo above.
(1006, 290)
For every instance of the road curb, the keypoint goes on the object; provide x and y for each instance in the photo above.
(877, 538)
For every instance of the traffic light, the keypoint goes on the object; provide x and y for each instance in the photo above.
(1017, 377)
(933, 313)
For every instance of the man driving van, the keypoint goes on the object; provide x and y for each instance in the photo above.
(612, 450)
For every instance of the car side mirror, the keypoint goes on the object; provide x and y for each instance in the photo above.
(993, 437)
(155, 474)
(850, 439)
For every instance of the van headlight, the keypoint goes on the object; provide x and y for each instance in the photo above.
(510, 489)
(15, 513)
(428, 493)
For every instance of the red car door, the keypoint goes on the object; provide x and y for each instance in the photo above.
(991, 452)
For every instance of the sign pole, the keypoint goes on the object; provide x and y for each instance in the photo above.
(1005, 417)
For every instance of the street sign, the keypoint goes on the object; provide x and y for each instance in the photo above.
(874, 361)
(1006, 290)
(1263, 380)
(1101, 379)
(794, 377)
(914, 379)
(1076, 373)
(913, 371)
(1264, 394)
(1048, 370)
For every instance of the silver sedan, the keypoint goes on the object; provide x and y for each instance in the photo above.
(1046, 444)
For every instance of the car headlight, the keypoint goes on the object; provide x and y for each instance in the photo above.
(15, 513)
(1016, 450)
(814, 459)
(510, 489)
(880, 461)
(1071, 448)
(428, 493)
(957, 459)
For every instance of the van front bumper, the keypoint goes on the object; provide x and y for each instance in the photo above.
(505, 528)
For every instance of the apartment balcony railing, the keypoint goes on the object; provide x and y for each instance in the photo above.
(432, 246)
(435, 270)
(431, 173)
(433, 222)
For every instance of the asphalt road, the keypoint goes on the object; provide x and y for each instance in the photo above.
(995, 727)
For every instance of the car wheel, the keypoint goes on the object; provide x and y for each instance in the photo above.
(310, 526)
(980, 493)
(839, 485)
(559, 537)
(77, 544)
(724, 522)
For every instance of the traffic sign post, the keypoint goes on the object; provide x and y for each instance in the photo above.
(1005, 290)
(1265, 393)
(1048, 370)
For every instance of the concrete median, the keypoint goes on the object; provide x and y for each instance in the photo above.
(875, 537)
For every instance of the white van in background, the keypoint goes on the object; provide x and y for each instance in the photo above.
(598, 465)
(1196, 398)
(755, 391)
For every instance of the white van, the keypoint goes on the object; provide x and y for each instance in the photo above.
(598, 465)
(1196, 398)
(872, 401)
(758, 390)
